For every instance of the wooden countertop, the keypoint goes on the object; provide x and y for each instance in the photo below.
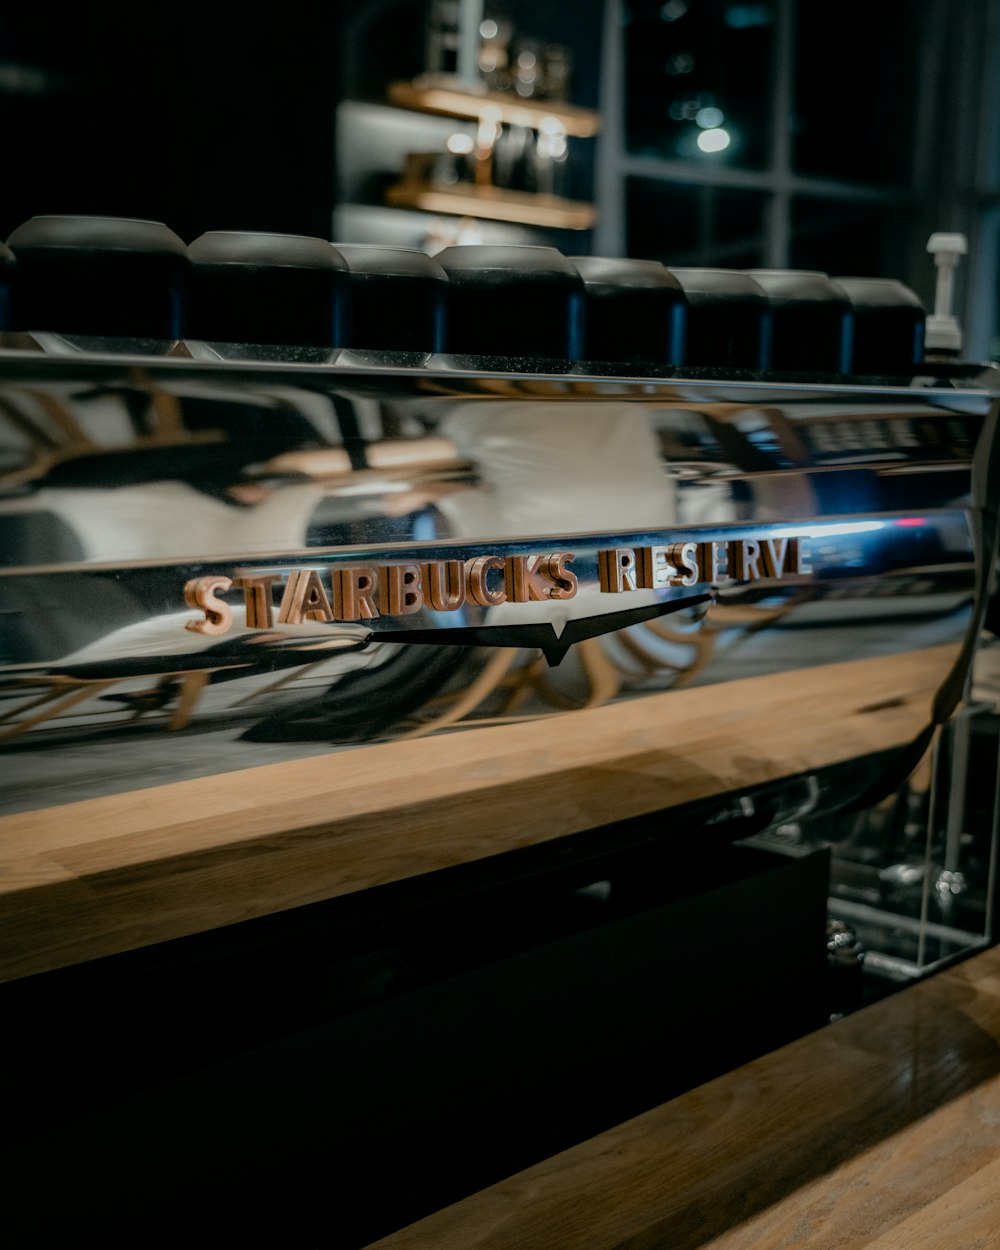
(94, 878)
(881, 1132)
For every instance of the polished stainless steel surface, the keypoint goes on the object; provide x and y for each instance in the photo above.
(137, 489)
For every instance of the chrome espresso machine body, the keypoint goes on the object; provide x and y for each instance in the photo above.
(462, 516)
(430, 509)
(338, 553)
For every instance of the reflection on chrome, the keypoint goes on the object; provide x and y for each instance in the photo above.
(370, 548)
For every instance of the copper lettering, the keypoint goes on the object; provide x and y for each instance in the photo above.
(743, 555)
(529, 578)
(257, 598)
(710, 561)
(662, 566)
(477, 573)
(444, 584)
(354, 593)
(650, 567)
(773, 553)
(617, 570)
(515, 579)
(564, 579)
(399, 590)
(304, 599)
(683, 557)
(489, 580)
(202, 592)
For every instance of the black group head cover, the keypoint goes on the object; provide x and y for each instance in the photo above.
(282, 289)
(7, 264)
(514, 301)
(104, 276)
(398, 298)
(813, 321)
(889, 324)
(635, 311)
(729, 319)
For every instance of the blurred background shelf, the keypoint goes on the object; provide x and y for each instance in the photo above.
(495, 203)
(447, 100)
(383, 190)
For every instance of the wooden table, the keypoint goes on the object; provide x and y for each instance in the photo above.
(85, 880)
(880, 1132)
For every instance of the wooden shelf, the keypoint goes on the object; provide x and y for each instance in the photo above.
(495, 203)
(448, 100)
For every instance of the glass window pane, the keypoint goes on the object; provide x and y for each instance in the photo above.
(855, 89)
(852, 240)
(698, 79)
(685, 225)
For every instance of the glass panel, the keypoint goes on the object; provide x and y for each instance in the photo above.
(914, 877)
(852, 240)
(855, 90)
(698, 79)
(685, 225)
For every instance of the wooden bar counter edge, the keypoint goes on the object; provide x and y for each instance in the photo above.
(879, 1132)
(85, 880)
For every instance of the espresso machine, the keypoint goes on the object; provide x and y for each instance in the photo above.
(434, 691)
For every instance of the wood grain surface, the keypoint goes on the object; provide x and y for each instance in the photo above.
(880, 1132)
(94, 878)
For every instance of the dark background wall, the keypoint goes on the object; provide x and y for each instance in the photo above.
(212, 117)
(218, 116)
(224, 116)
